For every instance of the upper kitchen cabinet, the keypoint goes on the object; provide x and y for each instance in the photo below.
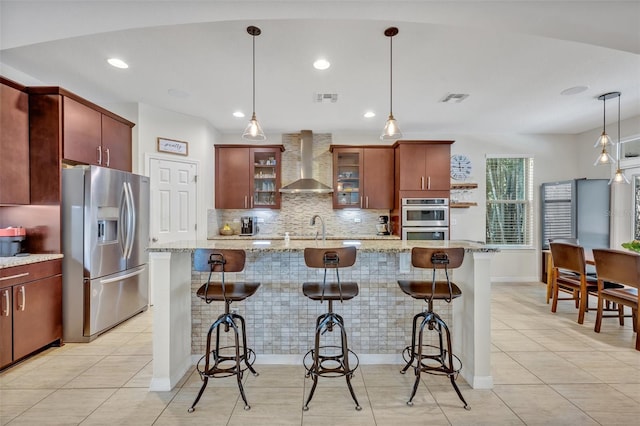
(14, 143)
(362, 177)
(90, 134)
(423, 168)
(248, 176)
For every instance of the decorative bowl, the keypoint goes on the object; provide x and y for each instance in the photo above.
(226, 231)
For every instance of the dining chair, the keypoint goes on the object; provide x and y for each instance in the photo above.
(549, 263)
(621, 267)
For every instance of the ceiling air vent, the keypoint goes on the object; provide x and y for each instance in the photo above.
(454, 97)
(325, 97)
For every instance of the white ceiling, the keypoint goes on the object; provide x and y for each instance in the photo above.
(513, 58)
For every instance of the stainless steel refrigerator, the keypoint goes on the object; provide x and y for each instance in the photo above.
(105, 232)
(577, 208)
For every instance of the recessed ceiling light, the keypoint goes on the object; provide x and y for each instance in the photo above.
(238, 114)
(177, 93)
(574, 90)
(369, 114)
(118, 63)
(321, 64)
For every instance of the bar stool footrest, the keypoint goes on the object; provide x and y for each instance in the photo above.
(216, 369)
(432, 363)
(330, 365)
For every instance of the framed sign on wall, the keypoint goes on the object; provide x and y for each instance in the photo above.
(173, 147)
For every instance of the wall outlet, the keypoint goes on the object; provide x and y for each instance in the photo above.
(357, 220)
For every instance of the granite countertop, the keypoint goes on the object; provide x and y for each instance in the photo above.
(303, 237)
(279, 245)
(8, 262)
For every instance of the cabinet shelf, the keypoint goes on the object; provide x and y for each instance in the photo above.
(462, 205)
(464, 185)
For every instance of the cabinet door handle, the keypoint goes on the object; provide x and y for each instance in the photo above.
(361, 201)
(108, 157)
(421, 182)
(245, 201)
(99, 155)
(6, 305)
(23, 296)
(251, 201)
(10, 277)
(367, 202)
(429, 182)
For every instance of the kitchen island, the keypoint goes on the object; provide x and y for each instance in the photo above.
(280, 320)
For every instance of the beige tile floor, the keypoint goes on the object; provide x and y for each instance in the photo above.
(547, 369)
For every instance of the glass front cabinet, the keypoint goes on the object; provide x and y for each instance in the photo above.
(247, 177)
(362, 177)
(266, 177)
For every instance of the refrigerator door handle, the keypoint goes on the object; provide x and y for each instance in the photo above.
(123, 221)
(132, 221)
(121, 277)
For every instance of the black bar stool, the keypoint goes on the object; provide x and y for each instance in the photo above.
(239, 357)
(428, 358)
(330, 360)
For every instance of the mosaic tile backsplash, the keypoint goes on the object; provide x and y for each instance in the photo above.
(296, 210)
(281, 320)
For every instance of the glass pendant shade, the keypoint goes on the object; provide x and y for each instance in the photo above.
(253, 131)
(603, 158)
(619, 178)
(391, 129)
(603, 140)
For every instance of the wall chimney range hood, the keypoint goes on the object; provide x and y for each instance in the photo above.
(306, 184)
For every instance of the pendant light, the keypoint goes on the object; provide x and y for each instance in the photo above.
(254, 132)
(604, 140)
(391, 129)
(619, 177)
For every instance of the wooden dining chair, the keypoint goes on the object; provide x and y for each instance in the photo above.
(621, 267)
(569, 275)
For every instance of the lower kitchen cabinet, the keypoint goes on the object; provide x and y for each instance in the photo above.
(31, 309)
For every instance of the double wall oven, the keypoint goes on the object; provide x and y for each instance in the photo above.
(425, 219)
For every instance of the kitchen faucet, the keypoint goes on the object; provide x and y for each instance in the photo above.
(313, 222)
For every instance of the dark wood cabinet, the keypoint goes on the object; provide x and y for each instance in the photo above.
(363, 177)
(247, 176)
(116, 144)
(423, 165)
(14, 143)
(31, 308)
(83, 132)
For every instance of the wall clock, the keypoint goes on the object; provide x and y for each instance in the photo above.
(460, 167)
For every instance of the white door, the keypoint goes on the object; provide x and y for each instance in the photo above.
(173, 200)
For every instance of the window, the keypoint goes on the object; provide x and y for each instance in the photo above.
(510, 201)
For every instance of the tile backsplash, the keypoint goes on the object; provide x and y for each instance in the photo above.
(296, 210)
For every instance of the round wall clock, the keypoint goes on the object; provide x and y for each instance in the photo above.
(460, 167)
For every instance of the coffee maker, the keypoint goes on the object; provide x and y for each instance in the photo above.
(383, 225)
(248, 225)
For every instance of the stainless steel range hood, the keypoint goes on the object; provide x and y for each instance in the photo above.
(306, 184)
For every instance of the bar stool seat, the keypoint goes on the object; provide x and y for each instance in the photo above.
(422, 357)
(330, 360)
(224, 361)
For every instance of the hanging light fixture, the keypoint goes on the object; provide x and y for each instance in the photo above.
(391, 129)
(604, 140)
(619, 177)
(254, 132)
